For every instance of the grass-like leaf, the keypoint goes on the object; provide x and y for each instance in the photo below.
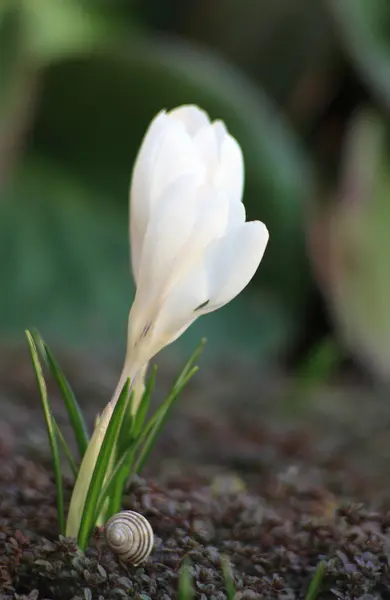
(190, 363)
(123, 458)
(127, 446)
(73, 409)
(66, 450)
(145, 402)
(228, 577)
(155, 424)
(315, 584)
(135, 450)
(107, 449)
(151, 431)
(110, 485)
(51, 430)
(123, 470)
(185, 590)
(126, 430)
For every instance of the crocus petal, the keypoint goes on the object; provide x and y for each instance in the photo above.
(220, 132)
(169, 228)
(184, 222)
(177, 156)
(179, 308)
(191, 116)
(139, 191)
(206, 143)
(236, 214)
(227, 266)
(229, 175)
(167, 153)
(178, 233)
(232, 261)
(192, 250)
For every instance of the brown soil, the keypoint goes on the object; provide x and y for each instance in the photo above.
(238, 477)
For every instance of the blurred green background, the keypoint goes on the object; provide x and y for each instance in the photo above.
(305, 88)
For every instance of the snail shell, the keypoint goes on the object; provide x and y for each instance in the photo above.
(130, 536)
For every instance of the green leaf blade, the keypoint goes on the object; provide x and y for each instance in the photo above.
(156, 422)
(315, 584)
(65, 447)
(116, 483)
(185, 591)
(73, 409)
(145, 402)
(228, 577)
(51, 430)
(127, 446)
(107, 449)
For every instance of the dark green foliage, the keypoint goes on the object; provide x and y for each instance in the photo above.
(364, 28)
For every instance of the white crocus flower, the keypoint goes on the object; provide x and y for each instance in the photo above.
(192, 251)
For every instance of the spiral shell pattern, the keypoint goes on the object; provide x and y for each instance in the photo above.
(130, 536)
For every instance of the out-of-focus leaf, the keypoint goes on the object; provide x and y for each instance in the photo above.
(56, 28)
(111, 97)
(314, 372)
(10, 48)
(278, 42)
(33, 34)
(63, 258)
(17, 84)
(354, 269)
(364, 27)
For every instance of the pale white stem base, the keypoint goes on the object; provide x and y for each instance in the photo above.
(87, 466)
